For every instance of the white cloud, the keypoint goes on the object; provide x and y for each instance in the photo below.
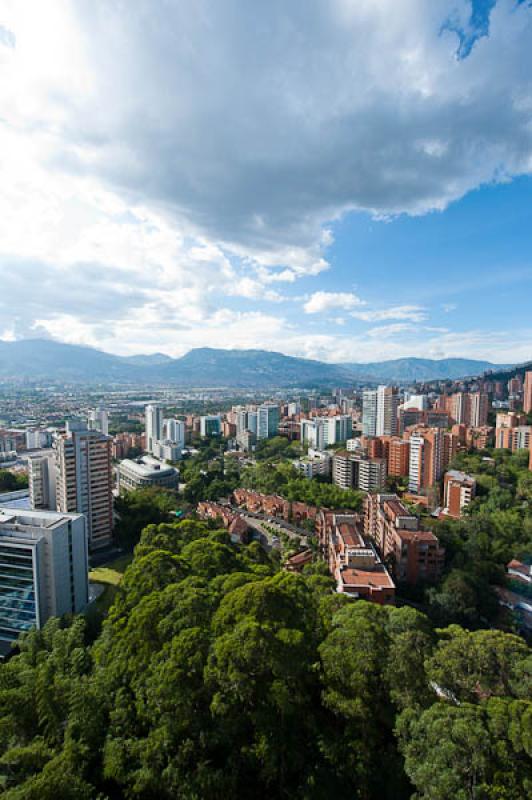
(413, 313)
(157, 162)
(331, 301)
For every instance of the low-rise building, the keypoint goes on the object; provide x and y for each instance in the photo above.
(355, 565)
(458, 491)
(144, 472)
(234, 523)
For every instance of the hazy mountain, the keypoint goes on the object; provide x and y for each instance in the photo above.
(419, 369)
(44, 359)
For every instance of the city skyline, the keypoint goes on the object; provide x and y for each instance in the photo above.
(255, 179)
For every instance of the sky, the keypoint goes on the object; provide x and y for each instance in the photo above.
(347, 180)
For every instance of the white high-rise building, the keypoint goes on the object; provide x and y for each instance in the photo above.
(85, 481)
(154, 426)
(174, 431)
(419, 401)
(42, 480)
(369, 412)
(98, 420)
(44, 569)
(315, 432)
(35, 439)
(387, 405)
(210, 425)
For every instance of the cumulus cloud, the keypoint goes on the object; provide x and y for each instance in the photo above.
(160, 162)
(331, 301)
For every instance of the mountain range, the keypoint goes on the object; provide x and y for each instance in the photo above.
(46, 359)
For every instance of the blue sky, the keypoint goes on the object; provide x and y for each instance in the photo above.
(347, 180)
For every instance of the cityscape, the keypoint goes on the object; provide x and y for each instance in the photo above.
(266, 400)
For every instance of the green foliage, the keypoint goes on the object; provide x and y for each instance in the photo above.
(139, 508)
(285, 480)
(12, 481)
(217, 675)
(496, 528)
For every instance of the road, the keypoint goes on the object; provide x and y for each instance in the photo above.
(261, 523)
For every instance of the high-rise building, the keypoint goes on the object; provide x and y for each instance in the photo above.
(371, 474)
(44, 569)
(154, 426)
(426, 455)
(387, 405)
(478, 406)
(174, 431)
(527, 393)
(369, 412)
(98, 420)
(42, 480)
(211, 425)
(398, 457)
(267, 421)
(85, 481)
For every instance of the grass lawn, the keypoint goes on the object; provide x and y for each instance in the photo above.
(110, 576)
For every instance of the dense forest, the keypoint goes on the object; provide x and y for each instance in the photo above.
(217, 675)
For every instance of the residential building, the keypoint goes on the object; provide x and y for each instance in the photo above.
(527, 393)
(246, 440)
(426, 455)
(44, 569)
(371, 474)
(267, 420)
(369, 412)
(317, 462)
(174, 431)
(343, 469)
(166, 450)
(42, 480)
(458, 491)
(154, 426)
(145, 471)
(354, 563)
(387, 405)
(98, 420)
(414, 554)
(84, 480)
(398, 457)
(233, 522)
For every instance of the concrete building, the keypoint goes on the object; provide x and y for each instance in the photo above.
(38, 439)
(316, 463)
(398, 457)
(458, 491)
(426, 457)
(387, 405)
(527, 393)
(84, 480)
(354, 563)
(211, 425)
(267, 420)
(98, 420)
(343, 469)
(369, 412)
(154, 426)
(371, 474)
(44, 569)
(166, 450)
(42, 480)
(143, 472)
(174, 431)
(415, 554)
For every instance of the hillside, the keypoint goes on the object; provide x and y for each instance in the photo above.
(44, 359)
